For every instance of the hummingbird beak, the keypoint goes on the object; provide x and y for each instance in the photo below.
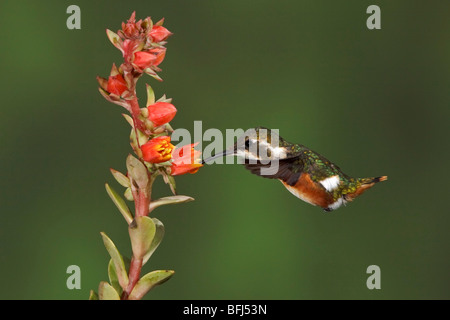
(224, 153)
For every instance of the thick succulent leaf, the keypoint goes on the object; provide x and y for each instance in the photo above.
(117, 259)
(160, 22)
(93, 295)
(150, 95)
(129, 119)
(164, 99)
(159, 235)
(128, 194)
(107, 292)
(103, 83)
(120, 203)
(113, 279)
(142, 231)
(137, 171)
(172, 184)
(147, 282)
(114, 38)
(121, 178)
(169, 200)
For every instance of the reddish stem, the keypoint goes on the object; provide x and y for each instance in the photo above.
(142, 203)
(142, 198)
(135, 112)
(133, 277)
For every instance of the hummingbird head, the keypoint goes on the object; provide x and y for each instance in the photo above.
(256, 144)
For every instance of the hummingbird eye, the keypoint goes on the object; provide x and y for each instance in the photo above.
(247, 144)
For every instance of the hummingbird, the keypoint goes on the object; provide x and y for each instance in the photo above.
(305, 173)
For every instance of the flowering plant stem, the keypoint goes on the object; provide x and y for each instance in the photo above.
(142, 46)
(133, 276)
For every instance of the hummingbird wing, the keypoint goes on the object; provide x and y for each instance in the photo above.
(287, 170)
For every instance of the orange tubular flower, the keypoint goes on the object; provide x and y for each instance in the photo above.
(116, 85)
(161, 112)
(157, 150)
(185, 160)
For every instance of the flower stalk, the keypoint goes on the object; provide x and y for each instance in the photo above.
(142, 44)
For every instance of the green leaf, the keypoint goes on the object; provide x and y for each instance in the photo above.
(172, 184)
(169, 127)
(148, 281)
(120, 203)
(160, 22)
(114, 38)
(129, 119)
(114, 70)
(93, 295)
(142, 231)
(159, 235)
(169, 200)
(164, 99)
(104, 93)
(103, 83)
(153, 74)
(121, 178)
(137, 171)
(128, 194)
(117, 259)
(113, 279)
(150, 95)
(107, 292)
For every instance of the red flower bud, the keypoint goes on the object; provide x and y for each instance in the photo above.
(185, 160)
(144, 59)
(161, 112)
(160, 54)
(131, 28)
(128, 47)
(116, 85)
(159, 33)
(157, 150)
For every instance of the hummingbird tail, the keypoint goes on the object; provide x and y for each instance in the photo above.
(378, 179)
(372, 181)
(364, 184)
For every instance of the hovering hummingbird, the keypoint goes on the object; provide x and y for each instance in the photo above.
(305, 173)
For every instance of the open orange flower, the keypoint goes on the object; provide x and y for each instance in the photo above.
(185, 160)
(157, 150)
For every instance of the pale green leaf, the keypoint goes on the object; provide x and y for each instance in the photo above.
(128, 194)
(113, 279)
(153, 74)
(120, 203)
(137, 171)
(150, 95)
(172, 184)
(129, 119)
(147, 282)
(107, 292)
(159, 235)
(93, 295)
(121, 178)
(117, 259)
(169, 200)
(114, 38)
(142, 231)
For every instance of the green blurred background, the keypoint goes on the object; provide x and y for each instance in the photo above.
(376, 102)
